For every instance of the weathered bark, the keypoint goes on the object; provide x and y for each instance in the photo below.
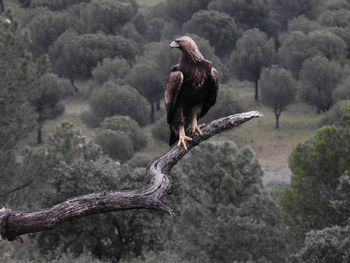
(278, 112)
(15, 223)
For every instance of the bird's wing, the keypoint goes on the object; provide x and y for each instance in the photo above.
(213, 92)
(172, 90)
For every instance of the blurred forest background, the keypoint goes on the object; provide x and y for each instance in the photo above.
(81, 110)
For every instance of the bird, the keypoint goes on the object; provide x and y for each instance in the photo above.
(191, 90)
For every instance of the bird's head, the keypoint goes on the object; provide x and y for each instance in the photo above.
(188, 47)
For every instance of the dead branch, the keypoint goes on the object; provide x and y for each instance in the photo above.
(16, 223)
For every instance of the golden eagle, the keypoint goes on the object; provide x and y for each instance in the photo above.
(191, 90)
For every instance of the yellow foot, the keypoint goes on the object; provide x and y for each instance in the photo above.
(197, 128)
(183, 140)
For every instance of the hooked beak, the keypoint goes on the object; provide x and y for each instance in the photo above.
(174, 44)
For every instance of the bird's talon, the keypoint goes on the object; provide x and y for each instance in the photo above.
(183, 140)
(197, 128)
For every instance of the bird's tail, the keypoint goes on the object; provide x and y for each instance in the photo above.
(173, 137)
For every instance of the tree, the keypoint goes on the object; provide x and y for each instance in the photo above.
(69, 164)
(119, 99)
(145, 78)
(107, 69)
(129, 126)
(303, 24)
(330, 244)
(160, 130)
(334, 18)
(217, 27)
(253, 52)
(317, 165)
(45, 28)
(247, 14)
(107, 16)
(328, 44)
(335, 114)
(278, 90)
(46, 93)
(326, 245)
(222, 208)
(116, 144)
(297, 47)
(342, 90)
(182, 10)
(74, 56)
(17, 117)
(54, 5)
(283, 11)
(320, 77)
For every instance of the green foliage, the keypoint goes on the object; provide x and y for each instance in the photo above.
(160, 130)
(231, 174)
(257, 221)
(283, 11)
(90, 119)
(303, 24)
(182, 10)
(68, 165)
(47, 91)
(320, 77)
(145, 78)
(116, 68)
(297, 47)
(334, 18)
(118, 99)
(335, 115)
(17, 117)
(159, 53)
(220, 208)
(326, 245)
(317, 166)
(129, 126)
(107, 16)
(154, 29)
(140, 160)
(278, 89)
(328, 44)
(342, 90)
(54, 5)
(217, 27)
(253, 52)
(75, 55)
(116, 144)
(248, 14)
(45, 28)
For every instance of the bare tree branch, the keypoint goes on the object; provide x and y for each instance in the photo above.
(15, 223)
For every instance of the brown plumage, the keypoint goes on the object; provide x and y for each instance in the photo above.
(191, 90)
